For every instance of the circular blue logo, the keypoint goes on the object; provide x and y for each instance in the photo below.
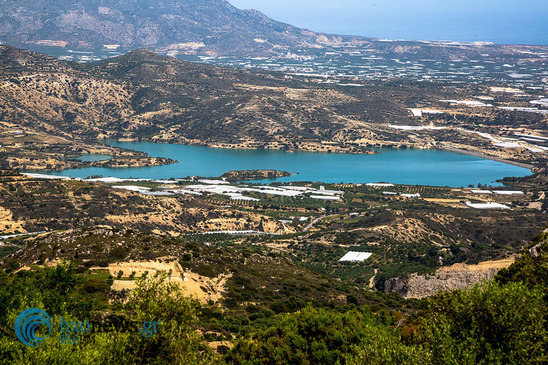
(28, 322)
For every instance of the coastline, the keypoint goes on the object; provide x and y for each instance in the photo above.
(312, 147)
(482, 155)
(368, 150)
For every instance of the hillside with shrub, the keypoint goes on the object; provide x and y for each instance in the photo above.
(501, 322)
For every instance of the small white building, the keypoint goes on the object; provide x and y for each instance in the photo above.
(325, 197)
(354, 256)
(481, 191)
(410, 195)
(487, 205)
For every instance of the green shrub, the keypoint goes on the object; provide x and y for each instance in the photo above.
(487, 324)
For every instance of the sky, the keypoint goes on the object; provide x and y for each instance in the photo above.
(499, 21)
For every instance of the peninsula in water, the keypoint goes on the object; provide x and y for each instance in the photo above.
(242, 175)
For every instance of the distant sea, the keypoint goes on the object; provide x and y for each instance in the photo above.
(468, 30)
(497, 21)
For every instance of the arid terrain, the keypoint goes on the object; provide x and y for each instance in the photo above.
(197, 184)
(68, 107)
(414, 230)
(54, 111)
(32, 205)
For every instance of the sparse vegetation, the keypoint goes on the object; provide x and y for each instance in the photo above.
(498, 322)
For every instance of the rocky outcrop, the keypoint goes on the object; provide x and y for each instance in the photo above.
(457, 276)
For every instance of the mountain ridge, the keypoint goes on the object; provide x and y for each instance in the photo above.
(214, 26)
(146, 96)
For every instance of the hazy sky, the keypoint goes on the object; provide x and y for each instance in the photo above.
(501, 21)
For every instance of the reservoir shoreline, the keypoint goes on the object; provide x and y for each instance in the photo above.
(482, 155)
(402, 166)
(371, 150)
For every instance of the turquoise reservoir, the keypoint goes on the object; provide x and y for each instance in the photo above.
(402, 166)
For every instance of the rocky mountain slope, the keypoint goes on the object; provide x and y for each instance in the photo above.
(143, 95)
(212, 25)
(529, 268)
(207, 27)
(457, 276)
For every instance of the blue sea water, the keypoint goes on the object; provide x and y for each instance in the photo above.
(498, 21)
(403, 166)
